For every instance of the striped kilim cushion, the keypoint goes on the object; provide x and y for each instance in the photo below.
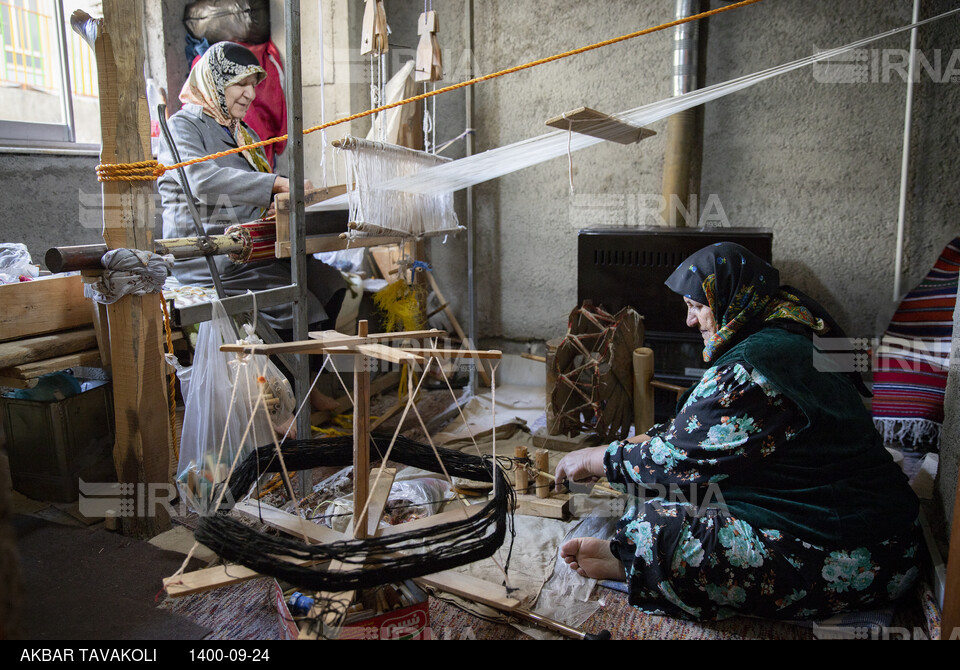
(910, 377)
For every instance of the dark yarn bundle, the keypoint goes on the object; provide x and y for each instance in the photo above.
(383, 559)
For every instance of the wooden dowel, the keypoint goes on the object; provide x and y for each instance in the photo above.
(521, 478)
(643, 406)
(596, 487)
(542, 461)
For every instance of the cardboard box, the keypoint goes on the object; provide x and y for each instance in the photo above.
(411, 622)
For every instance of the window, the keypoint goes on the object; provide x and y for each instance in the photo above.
(48, 77)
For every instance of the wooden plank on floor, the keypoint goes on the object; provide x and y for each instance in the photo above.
(472, 588)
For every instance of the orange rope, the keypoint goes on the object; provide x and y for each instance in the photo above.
(150, 170)
(173, 382)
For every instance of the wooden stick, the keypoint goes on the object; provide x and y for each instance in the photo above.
(643, 405)
(596, 487)
(541, 460)
(456, 325)
(361, 438)
(521, 477)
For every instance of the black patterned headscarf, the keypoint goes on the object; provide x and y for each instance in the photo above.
(221, 66)
(742, 290)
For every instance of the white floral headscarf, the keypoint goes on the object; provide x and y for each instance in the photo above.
(223, 65)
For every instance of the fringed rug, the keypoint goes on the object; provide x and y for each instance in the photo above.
(914, 357)
(242, 611)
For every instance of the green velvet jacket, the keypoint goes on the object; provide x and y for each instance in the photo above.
(833, 483)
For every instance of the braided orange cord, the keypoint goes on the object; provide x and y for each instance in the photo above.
(107, 169)
(173, 381)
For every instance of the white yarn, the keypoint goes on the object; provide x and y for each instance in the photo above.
(378, 210)
(505, 160)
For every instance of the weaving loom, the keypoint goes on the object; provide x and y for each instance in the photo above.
(378, 209)
(914, 357)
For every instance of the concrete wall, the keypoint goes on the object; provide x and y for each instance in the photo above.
(51, 200)
(818, 163)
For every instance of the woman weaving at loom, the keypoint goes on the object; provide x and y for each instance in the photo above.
(234, 189)
(814, 517)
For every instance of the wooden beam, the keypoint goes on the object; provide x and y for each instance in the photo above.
(46, 346)
(321, 341)
(385, 353)
(321, 244)
(86, 359)
(455, 353)
(361, 437)
(597, 124)
(471, 588)
(555, 507)
(141, 450)
(42, 306)
(288, 523)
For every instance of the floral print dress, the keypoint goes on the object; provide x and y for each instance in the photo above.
(687, 555)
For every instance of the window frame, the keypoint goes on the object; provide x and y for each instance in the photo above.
(26, 135)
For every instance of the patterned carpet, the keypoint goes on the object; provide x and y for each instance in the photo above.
(449, 622)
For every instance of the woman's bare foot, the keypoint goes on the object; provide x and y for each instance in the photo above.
(591, 557)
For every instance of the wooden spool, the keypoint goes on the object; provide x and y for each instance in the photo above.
(521, 479)
(642, 391)
(541, 460)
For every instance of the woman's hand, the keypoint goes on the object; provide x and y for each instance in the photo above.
(638, 439)
(580, 465)
(282, 185)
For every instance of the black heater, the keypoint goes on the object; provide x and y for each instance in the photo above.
(619, 267)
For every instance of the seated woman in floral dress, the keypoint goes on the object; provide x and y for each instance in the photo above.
(809, 515)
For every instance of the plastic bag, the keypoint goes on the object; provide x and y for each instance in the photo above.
(229, 20)
(414, 499)
(409, 499)
(220, 399)
(15, 262)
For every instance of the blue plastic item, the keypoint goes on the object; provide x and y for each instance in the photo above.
(50, 388)
(299, 604)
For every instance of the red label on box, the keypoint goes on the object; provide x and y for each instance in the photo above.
(409, 623)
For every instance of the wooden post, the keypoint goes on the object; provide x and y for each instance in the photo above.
(542, 463)
(521, 479)
(141, 451)
(361, 437)
(643, 406)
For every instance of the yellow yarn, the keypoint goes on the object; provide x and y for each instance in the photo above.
(400, 305)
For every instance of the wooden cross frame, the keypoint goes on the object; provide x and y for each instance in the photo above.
(363, 347)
